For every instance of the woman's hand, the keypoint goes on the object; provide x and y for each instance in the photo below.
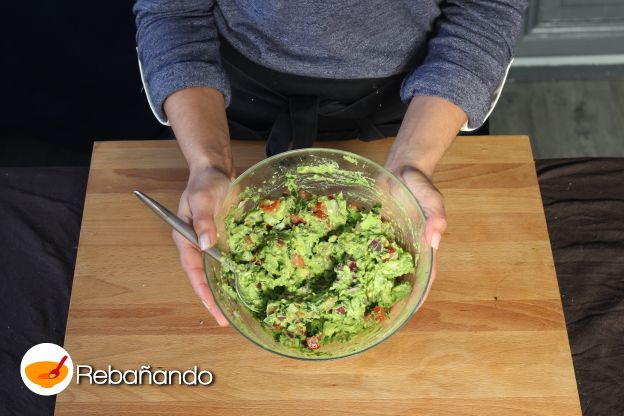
(432, 203)
(430, 199)
(199, 203)
(428, 129)
(197, 116)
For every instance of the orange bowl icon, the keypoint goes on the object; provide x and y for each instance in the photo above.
(41, 373)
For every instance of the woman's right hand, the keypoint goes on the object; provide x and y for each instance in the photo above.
(199, 203)
(197, 116)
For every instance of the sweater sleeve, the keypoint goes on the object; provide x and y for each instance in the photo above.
(468, 55)
(178, 47)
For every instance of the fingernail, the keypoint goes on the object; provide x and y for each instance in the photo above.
(207, 305)
(435, 240)
(204, 242)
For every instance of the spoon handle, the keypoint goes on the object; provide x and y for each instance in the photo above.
(177, 223)
(60, 364)
(189, 233)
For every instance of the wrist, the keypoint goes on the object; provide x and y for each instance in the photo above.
(220, 166)
(197, 117)
(219, 159)
(211, 165)
(404, 156)
(429, 127)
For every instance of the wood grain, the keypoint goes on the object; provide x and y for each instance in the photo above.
(490, 340)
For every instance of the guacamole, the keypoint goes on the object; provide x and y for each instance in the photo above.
(317, 268)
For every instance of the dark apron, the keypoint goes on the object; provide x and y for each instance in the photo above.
(293, 111)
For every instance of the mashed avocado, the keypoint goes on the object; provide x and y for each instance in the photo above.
(319, 269)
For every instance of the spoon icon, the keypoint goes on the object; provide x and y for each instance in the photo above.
(54, 373)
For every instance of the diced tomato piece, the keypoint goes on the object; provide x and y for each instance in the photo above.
(304, 195)
(353, 206)
(313, 343)
(320, 210)
(391, 250)
(280, 242)
(248, 239)
(296, 219)
(277, 326)
(297, 260)
(271, 206)
(379, 313)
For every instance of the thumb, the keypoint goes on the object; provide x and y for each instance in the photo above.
(432, 203)
(203, 212)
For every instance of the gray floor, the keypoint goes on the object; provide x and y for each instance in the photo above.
(574, 118)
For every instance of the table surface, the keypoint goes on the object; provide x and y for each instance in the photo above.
(490, 340)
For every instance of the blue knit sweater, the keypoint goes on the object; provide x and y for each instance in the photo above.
(456, 49)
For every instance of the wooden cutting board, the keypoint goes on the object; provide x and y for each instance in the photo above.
(491, 339)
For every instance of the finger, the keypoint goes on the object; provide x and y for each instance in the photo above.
(203, 210)
(432, 203)
(193, 265)
(434, 228)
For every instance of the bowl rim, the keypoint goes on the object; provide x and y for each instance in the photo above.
(325, 150)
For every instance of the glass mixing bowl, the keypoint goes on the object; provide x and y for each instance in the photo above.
(399, 207)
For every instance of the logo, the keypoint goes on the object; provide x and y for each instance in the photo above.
(47, 369)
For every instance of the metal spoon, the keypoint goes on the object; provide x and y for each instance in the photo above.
(189, 233)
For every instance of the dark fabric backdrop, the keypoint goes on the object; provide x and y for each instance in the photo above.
(68, 76)
(584, 205)
(40, 213)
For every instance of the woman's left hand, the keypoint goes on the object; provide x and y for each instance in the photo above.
(430, 199)
(432, 203)
(428, 129)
